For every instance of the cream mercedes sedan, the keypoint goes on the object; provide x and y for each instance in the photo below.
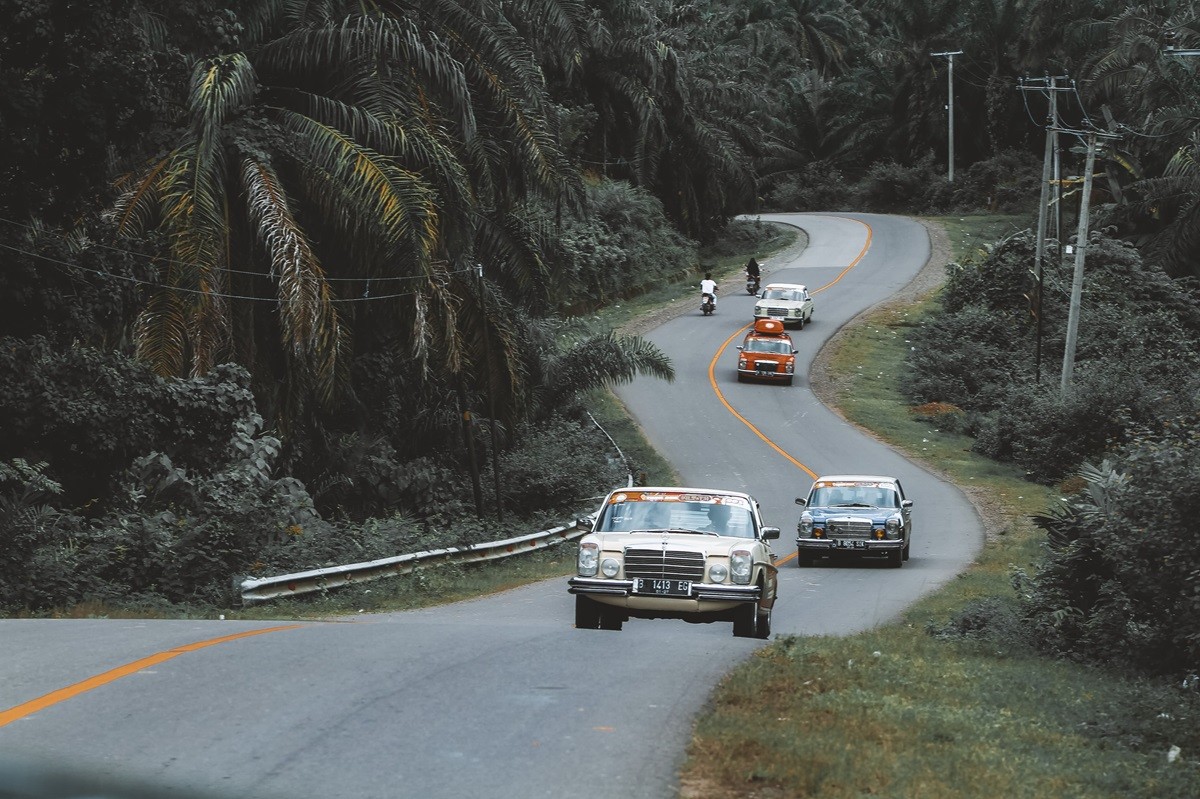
(696, 554)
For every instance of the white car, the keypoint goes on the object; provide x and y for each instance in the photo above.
(697, 554)
(790, 303)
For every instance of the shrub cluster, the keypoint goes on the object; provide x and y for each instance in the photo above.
(622, 247)
(1118, 584)
(1005, 183)
(1137, 357)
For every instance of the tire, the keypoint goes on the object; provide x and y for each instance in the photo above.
(788, 382)
(800, 324)
(907, 544)
(895, 558)
(611, 619)
(762, 626)
(803, 560)
(587, 614)
(745, 620)
(741, 378)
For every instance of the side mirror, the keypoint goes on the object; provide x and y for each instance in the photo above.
(794, 352)
(739, 347)
(770, 533)
(906, 503)
(801, 501)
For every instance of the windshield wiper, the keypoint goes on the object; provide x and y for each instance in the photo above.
(677, 530)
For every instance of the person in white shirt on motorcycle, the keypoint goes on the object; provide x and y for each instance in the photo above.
(709, 286)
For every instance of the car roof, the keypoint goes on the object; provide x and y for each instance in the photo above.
(789, 286)
(681, 490)
(768, 328)
(855, 478)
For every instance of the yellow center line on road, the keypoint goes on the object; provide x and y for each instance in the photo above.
(63, 694)
(712, 369)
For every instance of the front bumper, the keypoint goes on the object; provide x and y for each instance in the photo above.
(828, 545)
(702, 592)
(762, 374)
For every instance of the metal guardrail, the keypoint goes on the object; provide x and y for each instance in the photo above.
(307, 582)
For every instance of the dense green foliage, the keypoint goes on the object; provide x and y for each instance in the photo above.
(1136, 361)
(1118, 584)
(363, 222)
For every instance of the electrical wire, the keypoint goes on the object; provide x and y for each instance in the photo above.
(251, 298)
(157, 259)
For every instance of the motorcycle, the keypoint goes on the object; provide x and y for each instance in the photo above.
(707, 306)
(752, 284)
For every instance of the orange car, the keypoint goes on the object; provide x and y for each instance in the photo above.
(767, 353)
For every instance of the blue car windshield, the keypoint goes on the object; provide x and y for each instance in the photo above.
(854, 496)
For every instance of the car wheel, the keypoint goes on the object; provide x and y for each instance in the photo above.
(611, 619)
(907, 543)
(587, 614)
(762, 628)
(803, 560)
(744, 618)
(788, 382)
(741, 378)
(895, 558)
(800, 324)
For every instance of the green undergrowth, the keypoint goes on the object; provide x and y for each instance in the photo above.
(948, 701)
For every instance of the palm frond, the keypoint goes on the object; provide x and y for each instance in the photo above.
(400, 199)
(311, 328)
(160, 333)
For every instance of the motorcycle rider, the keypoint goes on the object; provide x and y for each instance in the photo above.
(709, 286)
(753, 272)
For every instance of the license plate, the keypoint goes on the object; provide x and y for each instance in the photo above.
(842, 543)
(657, 587)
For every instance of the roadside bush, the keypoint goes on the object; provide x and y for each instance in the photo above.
(88, 413)
(624, 245)
(557, 466)
(1049, 435)
(965, 359)
(892, 188)
(817, 187)
(1007, 183)
(1118, 582)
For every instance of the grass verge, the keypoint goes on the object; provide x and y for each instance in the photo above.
(947, 701)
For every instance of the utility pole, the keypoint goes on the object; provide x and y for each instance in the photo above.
(949, 56)
(1081, 239)
(1050, 157)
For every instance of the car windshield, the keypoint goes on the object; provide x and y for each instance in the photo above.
(697, 517)
(768, 345)
(853, 496)
(783, 294)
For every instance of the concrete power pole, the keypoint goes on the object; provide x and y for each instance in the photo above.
(949, 56)
(1050, 158)
(1068, 367)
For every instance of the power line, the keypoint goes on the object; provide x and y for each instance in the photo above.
(162, 260)
(251, 298)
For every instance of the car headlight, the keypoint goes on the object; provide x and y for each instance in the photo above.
(892, 527)
(610, 567)
(742, 363)
(790, 368)
(589, 558)
(740, 561)
(718, 572)
(805, 526)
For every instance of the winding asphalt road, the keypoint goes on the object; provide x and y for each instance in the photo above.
(501, 697)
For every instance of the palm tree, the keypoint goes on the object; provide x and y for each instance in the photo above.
(1155, 98)
(352, 165)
